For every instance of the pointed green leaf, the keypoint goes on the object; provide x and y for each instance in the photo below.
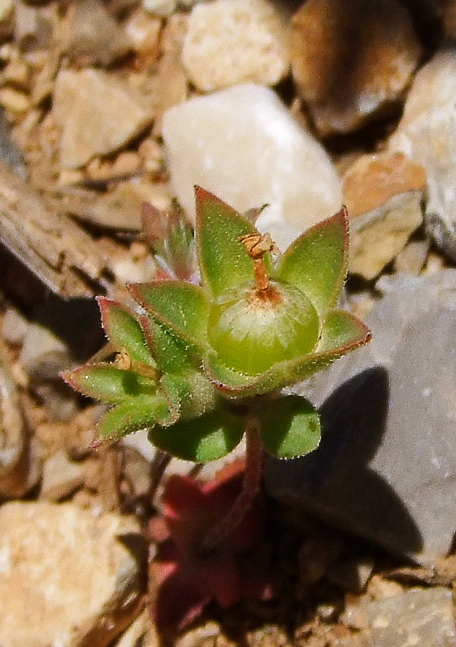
(124, 331)
(183, 306)
(290, 426)
(109, 383)
(316, 262)
(133, 415)
(223, 260)
(170, 351)
(343, 330)
(202, 439)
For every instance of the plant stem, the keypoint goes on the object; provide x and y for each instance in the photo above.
(250, 487)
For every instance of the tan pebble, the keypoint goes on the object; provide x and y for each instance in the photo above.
(173, 34)
(151, 153)
(6, 10)
(126, 162)
(373, 179)
(144, 32)
(8, 51)
(16, 73)
(70, 176)
(14, 100)
(235, 41)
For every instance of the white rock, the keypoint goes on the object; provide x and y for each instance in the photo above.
(97, 113)
(243, 145)
(427, 134)
(235, 41)
(65, 577)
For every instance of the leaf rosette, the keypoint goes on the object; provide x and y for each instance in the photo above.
(197, 363)
(260, 325)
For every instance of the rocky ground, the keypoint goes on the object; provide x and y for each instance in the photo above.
(110, 103)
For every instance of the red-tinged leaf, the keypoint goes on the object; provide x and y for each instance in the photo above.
(317, 261)
(182, 306)
(124, 331)
(223, 259)
(109, 383)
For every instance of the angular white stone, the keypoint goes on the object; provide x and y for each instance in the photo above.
(244, 146)
(97, 114)
(235, 41)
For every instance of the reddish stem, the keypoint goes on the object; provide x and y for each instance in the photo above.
(250, 487)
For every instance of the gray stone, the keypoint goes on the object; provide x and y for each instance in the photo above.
(422, 617)
(243, 145)
(427, 135)
(386, 467)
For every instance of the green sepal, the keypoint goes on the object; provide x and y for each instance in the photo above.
(202, 439)
(134, 415)
(124, 331)
(223, 260)
(347, 330)
(290, 426)
(191, 393)
(171, 352)
(317, 261)
(182, 306)
(108, 382)
(344, 331)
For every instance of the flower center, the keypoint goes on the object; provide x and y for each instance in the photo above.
(253, 329)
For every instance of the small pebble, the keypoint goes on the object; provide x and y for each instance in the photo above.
(14, 100)
(235, 41)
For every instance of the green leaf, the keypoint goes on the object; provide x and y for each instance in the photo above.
(124, 331)
(223, 260)
(290, 426)
(343, 331)
(171, 352)
(131, 416)
(316, 262)
(202, 439)
(182, 306)
(109, 383)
